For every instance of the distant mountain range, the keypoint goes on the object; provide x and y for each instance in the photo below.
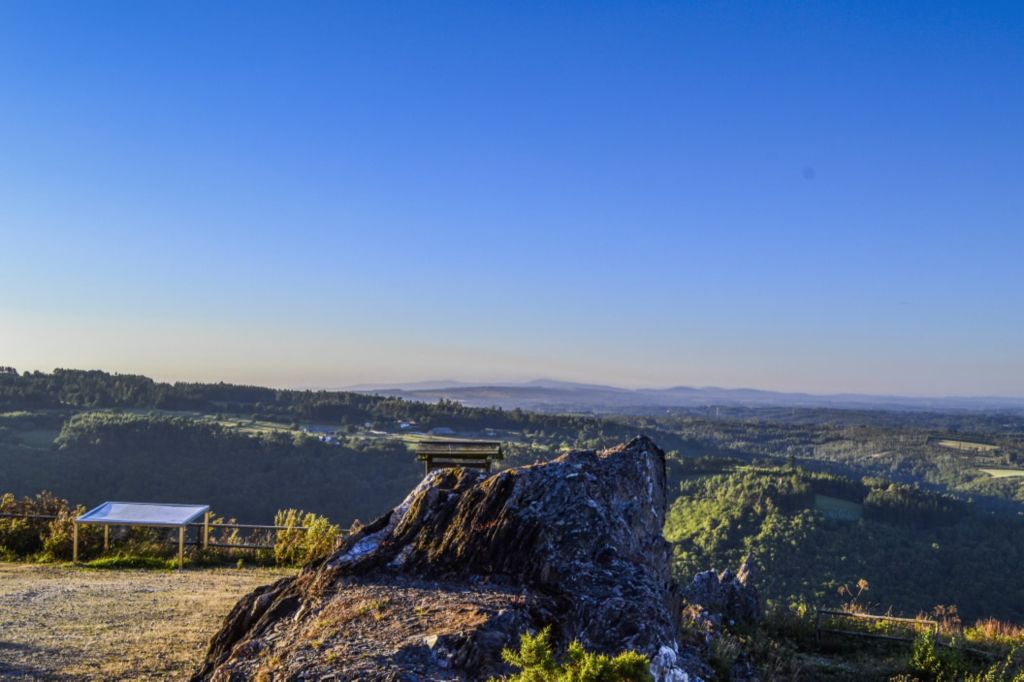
(547, 395)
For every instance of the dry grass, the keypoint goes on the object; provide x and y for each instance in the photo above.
(992, 631)
(63, 623)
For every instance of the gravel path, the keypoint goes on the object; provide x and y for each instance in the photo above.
(63, 623)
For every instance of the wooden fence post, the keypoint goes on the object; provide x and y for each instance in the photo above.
(181, 547)
(74, 543)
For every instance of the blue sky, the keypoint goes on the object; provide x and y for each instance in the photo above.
(812, 196)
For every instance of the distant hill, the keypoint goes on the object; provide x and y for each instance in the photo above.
(546, 395)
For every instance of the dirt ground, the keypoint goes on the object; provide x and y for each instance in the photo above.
(64, 623)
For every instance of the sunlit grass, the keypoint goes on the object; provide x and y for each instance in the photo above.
(1003, 473)
(967, 445)
(120, 561)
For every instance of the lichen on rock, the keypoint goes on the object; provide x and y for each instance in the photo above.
(436, 588)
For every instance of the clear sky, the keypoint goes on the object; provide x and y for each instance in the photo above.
(823, 196)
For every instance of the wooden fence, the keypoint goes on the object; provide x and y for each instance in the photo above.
(913, 623)
(198, 542)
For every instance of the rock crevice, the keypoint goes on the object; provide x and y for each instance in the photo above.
(574, 543)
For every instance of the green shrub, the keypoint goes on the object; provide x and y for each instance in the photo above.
(537, 663)
(929, 663)
(24, 537)
(1010, 669)
(295, 546)
(321, 536)
(58, 541)
(20, 537)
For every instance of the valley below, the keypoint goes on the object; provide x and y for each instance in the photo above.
(907, 513)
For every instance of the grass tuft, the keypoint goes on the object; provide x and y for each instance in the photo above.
(119, 561)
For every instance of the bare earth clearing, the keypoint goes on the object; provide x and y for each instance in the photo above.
(63, 623)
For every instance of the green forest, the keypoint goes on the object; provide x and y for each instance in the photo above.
(916, 550)
(99, 456)
(926, 507)
(90, 436)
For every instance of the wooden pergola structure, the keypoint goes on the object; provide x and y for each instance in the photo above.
(474, 454)
(178, 516)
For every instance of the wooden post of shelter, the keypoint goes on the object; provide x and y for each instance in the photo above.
(106, 538)
(74, 542)
(181, 547)
(206, 530)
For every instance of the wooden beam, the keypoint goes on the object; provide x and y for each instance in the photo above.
(460, 443)
(870, 616)
(460, 446)
(443, 463)
(457, 455)
(181, 547)
(470, 449)
(74, 543)
(469, 464)
(206, 530)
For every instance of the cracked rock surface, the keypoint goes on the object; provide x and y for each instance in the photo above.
(436, 588)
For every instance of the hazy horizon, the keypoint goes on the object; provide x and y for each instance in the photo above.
(503, 381)
(818, 198)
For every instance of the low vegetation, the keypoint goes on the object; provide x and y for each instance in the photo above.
(925, 506)
(305, 537)
(25, 537)
(537, 662)
(917, 549)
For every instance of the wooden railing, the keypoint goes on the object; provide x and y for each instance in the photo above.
(10, 515)
(914, 623)
(213, 527)
(199, 536)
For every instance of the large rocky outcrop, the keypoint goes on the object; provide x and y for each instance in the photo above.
(438, 586)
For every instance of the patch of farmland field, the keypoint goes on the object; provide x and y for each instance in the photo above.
(1003, 473)
(967, 445)
(38, 438)
(837, 508)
